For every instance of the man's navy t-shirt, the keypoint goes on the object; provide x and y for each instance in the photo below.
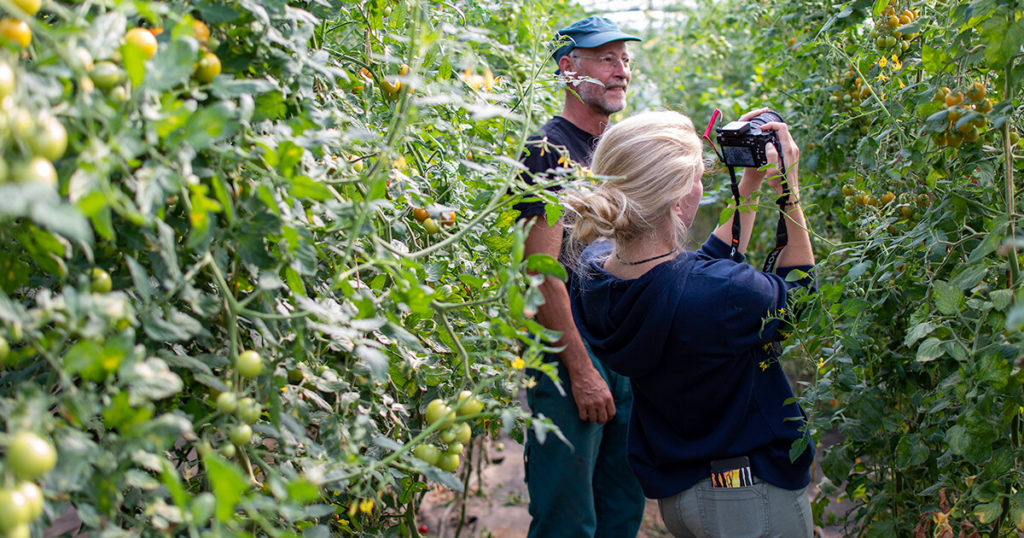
(561, 135)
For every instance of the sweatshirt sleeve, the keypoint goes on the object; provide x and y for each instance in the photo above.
(757, 301)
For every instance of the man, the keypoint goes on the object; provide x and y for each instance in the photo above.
(586, 489)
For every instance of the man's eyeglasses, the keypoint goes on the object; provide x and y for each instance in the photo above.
(608, 62)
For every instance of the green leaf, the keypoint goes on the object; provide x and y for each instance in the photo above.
(930, 349)
(547, 265)
(228, 483)
(918, 332)
(935, 60)
(994, 369)
(134, 61)
(1003, 38)
(958, 439)
(988, 512)
(948, 299)
(172, 65)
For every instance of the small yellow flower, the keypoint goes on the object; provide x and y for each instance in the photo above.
(896, 63)
(530, 383)
(563, 160)
(518, 363)
(782, 311)
(366, 506)
(883, 61)
(763, 365)
(881, 76)
(821, 362)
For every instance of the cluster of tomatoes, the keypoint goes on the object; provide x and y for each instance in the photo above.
(888, 35)
(905, 206)
(248, 365)
(39, 137)
(965, 118)
(453, 435)
(852, 90)
(433, 219)
(29, 457)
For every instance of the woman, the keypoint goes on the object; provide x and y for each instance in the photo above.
(693, 331)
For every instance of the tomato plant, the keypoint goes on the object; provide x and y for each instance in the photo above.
(189, 180)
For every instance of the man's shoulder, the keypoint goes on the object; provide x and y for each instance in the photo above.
(559, 130)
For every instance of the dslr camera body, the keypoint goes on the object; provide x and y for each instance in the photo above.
(743, 142)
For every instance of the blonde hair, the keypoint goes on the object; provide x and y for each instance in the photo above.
(651, 160)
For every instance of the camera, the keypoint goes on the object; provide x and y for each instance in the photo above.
(743, 142)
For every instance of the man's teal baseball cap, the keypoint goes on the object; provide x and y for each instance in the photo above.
(586, 34)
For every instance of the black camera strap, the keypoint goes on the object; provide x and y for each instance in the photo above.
(781, 236)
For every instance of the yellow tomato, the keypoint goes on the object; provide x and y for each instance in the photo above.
(15, 31)
(208, 67)
(29, 7)
(143, 40)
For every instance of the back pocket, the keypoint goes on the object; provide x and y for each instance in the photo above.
(734, 512)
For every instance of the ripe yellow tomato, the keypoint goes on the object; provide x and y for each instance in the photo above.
(208, 68)
(431, 226)
(976, 92)
(201, 31)
(15, 31)
(141, 39)
(28, 7)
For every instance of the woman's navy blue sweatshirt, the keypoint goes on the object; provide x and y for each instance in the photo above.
(692, 337)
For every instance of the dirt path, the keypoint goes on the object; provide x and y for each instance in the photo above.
(496, 505)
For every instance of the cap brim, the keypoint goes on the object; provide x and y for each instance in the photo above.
(590, 42)
(596, 40)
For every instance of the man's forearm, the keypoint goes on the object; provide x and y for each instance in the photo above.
(556, 315)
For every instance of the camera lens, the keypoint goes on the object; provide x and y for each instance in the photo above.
(766, 117)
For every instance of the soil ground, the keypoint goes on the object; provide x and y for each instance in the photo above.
(497, 499)
(496, 504)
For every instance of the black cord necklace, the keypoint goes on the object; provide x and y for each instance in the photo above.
(651, 259)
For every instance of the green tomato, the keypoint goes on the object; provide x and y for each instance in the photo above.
(33, 498)
(249, 411)
(106, 74)
(7, 79)
(50, 139)
(101, 282)
(14, 509)
(227, 402)
(470, 404)
(448, 435)
(430, 225)
(35, 170)
(241, 434)
(30, 456)
(5, 350)
(448, 462)
(249, 364)
(21, 531)
(454, 448)
(463, 433)
(437, 411)
(428, 453)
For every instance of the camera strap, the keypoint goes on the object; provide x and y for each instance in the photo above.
(781, 236)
